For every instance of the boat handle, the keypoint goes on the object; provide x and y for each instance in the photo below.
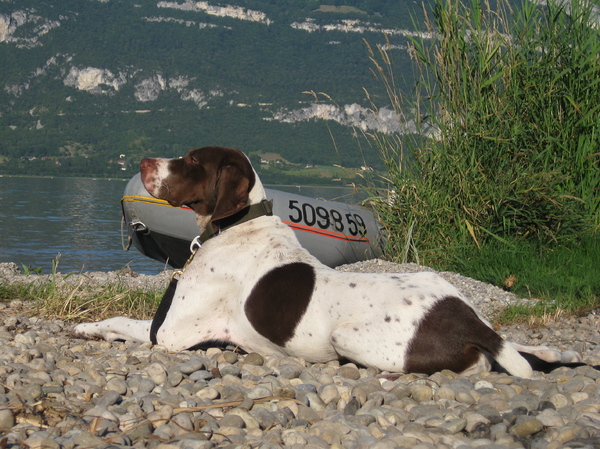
(136, 226)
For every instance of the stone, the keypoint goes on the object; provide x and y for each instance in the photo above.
(7, 419)
(232, 420)
(259, 392)
(230, 357)
(86, 439)
(560, 400)
(292, 437)
(266, 419)
(473, 420)
(191, 366)
(41, 440)
(307, 413)
(550, 418)
(464, 397)
(444, 393)
(526, 426)
(254, 359)
(141, 430)
(118, 385)
(157, 372)
(249, 420)
(362, 391)
(160, 416)
(329, 393)
(189, 443)
(352, 407)
(349, 372)
(208, 393)
(289, 371)
(455, 425)
(420, 392)
(111, 388)
(111, 397)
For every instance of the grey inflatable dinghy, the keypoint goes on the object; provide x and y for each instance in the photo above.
(335, 233)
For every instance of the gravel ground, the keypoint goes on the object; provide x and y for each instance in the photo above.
(57, 391)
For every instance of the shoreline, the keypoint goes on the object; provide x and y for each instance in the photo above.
(273, 186)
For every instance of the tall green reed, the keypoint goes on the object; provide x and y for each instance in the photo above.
(504, 131)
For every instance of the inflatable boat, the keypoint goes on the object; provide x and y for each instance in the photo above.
(335, 233)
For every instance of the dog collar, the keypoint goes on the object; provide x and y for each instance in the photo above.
(264, 208)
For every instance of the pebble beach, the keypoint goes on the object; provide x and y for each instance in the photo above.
(57, 391)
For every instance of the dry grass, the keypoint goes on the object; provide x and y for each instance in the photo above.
(80, 302)
(536, 322)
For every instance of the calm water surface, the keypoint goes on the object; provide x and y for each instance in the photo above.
(81, 219)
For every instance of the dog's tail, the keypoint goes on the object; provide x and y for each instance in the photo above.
(543, 366)
(512, 361)
(507, 362)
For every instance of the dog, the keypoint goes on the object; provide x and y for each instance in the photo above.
(252, 284)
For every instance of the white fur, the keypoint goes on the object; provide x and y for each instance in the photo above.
(155, 182)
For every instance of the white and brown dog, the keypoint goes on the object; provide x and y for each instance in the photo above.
(253, 285)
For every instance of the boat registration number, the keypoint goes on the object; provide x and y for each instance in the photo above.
(324, 218)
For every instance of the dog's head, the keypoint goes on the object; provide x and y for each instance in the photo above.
(214, 181)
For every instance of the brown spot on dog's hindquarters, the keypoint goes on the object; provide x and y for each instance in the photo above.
(450, 336)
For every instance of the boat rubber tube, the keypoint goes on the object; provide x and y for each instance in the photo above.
(335, 233)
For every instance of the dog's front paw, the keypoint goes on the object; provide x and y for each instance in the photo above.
(86, 330)
(111, 329)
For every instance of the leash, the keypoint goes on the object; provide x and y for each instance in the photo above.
(194, 247)
(264, 208)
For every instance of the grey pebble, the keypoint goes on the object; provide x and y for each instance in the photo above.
(526, 426)
(128, 394)
(232, 420)
(349, 372)
(109, 398)
(192, 365)
(157, 373)
(254, 359)
(352, 406)
(7, 419)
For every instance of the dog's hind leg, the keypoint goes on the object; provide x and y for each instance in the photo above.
(119, 328)
(549, 355)
(449, 336)
(365, 344)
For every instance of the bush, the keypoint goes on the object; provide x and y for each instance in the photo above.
(503, 133)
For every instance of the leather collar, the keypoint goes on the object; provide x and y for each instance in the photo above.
(264, 208)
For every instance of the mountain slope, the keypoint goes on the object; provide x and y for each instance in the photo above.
(86, 82)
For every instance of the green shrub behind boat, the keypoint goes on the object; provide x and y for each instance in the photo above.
(506, 129)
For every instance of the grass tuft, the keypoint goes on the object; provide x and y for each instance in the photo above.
(80, 302)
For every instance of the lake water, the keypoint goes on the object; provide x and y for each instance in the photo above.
(81, 219)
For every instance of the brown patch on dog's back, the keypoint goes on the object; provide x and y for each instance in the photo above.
(449, 337)
(279, 300)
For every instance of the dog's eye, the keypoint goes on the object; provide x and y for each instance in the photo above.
(193, 158)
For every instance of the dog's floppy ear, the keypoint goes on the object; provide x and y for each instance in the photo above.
(233, 185)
